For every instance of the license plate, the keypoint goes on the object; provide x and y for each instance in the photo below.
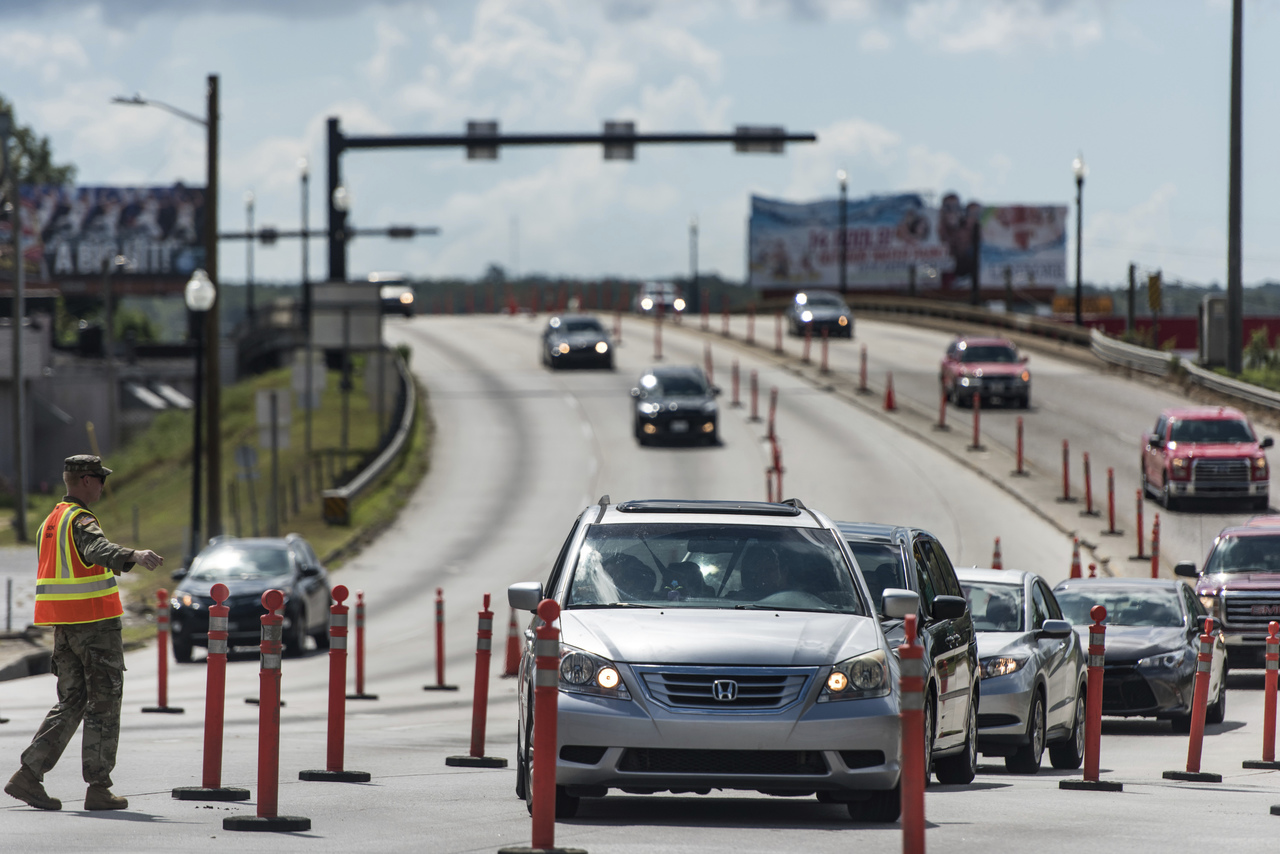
(679, 426)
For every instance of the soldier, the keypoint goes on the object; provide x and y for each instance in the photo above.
(76, 593)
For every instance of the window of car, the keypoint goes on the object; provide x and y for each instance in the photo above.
(995, 606)
(1126, 606)
(1039, 608)
(676, 385)
(943, 574)
(999, 353)
(925, 583)
(1055, 611)
(1216, 430)
(1234, 554)
(1194, 606)
(678, 565)
(240, 562)
(582, 324)
(881, 565)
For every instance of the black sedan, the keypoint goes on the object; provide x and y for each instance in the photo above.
(576, 339)
(676, 402)
(821, 310)
(250, 567)
(1152, 640)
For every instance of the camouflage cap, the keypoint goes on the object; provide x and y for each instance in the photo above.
(85, 464)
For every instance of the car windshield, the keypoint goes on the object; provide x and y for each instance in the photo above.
(586, 324)
(1210, 430)
(1245, 554)
(240, 562)
(674, 565)
(676, 385)
(995, 607)
(824, 300)
(988, 353)
(1126, 606)
(881, 565)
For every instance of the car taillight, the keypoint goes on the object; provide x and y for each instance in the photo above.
(1180, 469)
(1259, 468)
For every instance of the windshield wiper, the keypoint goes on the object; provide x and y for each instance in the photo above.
(578, 605)
(753, 606)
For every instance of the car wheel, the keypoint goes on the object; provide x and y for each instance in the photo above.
(566, 805)
(1216, 712)
(321, 638)
(1025, 401)
(963, 767)
(181, 649)
(1181, 723)
(1067, 755)
(1026, 760)
(1166, 496)
(295, 638)
(928, 739)
(1262, 504)
(882, 807)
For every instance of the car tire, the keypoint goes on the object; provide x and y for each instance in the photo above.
(321, 638)
(1067, 755)
(1262, 504)
(1024, 402)
(929, 733)
(961, 768)
(1216, 712)
(1181, 724)
(566, 805)
(1166, 497)
(181, 649)
(295, 639)
(883, 807)
(1026, 759)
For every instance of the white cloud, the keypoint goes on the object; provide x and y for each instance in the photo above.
(874, 41)
(1143, 231)
(388, 40)
(48, 55)
(967, 26)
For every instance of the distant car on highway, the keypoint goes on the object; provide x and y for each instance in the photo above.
(820, 310)
(397, 299)
(251, 566)
(1153, 631)
(1240, 586)
(654, 296)
(988, 367)
(716, 645)
(1205, 452)
(892, 557)
(1033, 671)
(576, 339)
(676, 403)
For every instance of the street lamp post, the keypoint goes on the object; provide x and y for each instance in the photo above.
(695, 289)
(304, 175)
(1080, 170)
(248, 260)
(200, 295)
(843, 178)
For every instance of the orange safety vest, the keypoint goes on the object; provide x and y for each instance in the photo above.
(68, 590)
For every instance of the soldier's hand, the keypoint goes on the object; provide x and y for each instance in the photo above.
(147, 558)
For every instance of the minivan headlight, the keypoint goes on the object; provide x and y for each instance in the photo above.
(857, 678)
(584, 673)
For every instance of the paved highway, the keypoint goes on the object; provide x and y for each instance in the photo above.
(520, 450)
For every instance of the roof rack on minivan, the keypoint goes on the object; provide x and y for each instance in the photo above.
(710, 507)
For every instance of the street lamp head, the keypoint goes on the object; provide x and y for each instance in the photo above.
(200, 293)
(303, 166)
(137, 100)
(842, 177)
(248, 198)
(341, 198)
(1078, 167)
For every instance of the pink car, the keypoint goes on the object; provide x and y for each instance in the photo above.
(1205, 452)
(988, 367)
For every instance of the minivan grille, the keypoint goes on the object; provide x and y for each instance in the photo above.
(764, 763)
(726, 688)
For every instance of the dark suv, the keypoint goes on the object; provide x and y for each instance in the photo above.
(891, 556)
(1240, 586)
(250, 567)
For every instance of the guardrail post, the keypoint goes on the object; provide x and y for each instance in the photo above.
(1199, 703)
(1093, 710)
(162, 652)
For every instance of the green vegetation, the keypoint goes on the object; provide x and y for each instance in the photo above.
(152, 479)
(1261, 362)
(34, 158)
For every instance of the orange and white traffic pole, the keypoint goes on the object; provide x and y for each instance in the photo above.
(440, 683)
(1066, 473)
(1093, 710)
(976, 445)
(1199, 704)
(512, 664)
(997, 560)
(708, 364)
(1088, 488)
(862, 371)
(777, 333)
(211, 788)
(808, 340)
(911, 714)
(337, 730)
(1111, 531)
(1269, 702)
(736, 402)
(755, 396)
(1075, 557)
(657, 333)
(1141, 555)
(1155, 547)
(1019, 471)
(825, 367)
(480, 699)
(360, 692)
(162, 651)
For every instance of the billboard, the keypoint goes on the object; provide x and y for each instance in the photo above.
(70, 231)
(798, 245)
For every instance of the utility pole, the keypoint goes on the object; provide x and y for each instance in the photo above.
(695, 291)
(10, 171)
(213, 380)
(1133, 292)
(1235, 287)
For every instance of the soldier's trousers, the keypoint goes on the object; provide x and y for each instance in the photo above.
(88, 660)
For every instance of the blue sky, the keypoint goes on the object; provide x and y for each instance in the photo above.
(990, 98)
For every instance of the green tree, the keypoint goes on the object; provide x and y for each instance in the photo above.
(31, 155)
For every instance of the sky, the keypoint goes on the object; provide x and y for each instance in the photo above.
(988, 98)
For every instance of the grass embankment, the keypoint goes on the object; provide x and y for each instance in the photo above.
(152, 478)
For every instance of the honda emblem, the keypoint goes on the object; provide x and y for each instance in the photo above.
(724, 690)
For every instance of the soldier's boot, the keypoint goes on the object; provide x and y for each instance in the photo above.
(100, 798)
(25, 786)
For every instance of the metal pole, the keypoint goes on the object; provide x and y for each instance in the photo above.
(197, 412)
(275, 465)
(694, 288)
(1079, 242)
(844, 233)
(248, 248)
(337, 218)
(212, 335)
(1235, 288)
(19, 309)
(306, 303)
(109, 345)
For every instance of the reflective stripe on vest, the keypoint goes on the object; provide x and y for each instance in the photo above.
(67, 589)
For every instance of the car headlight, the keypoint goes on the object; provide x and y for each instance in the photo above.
(1025, 376)
(406, 298)
(650, 408)
(1163, 660)
(584, 673)
(646, 304)
(806, 315)
(563, 348)
(678, 305)
(1180, 468)
(843, 321)
(857, 678)
(1260, 468)
(1001, 665)
(602, 347)
(969, 381)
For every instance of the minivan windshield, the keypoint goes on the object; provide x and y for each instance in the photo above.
(241, 562)
(585, 324)
(1245, 554)
(675, 565)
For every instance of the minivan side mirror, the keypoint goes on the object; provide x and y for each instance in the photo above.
(525, 595)
(1185, 569)
(897, 603)
(309, 571)
(1024, 358)
(1054, 629)
(179, 573)
(949, 607)
(1266, 443)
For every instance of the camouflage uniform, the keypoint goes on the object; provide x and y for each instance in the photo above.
(88, 659)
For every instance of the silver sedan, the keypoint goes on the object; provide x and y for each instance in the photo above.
(1032, 668)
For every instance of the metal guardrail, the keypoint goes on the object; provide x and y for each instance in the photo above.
(1029, 323)
(1132, 356)
(337, 502)
(1256, 395)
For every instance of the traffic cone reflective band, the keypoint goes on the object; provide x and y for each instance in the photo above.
(1075, 557)
(890, 403)
(1093, 710)
(996, 561)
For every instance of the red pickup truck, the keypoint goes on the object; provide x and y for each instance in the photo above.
(990, 368)
(1205, 452)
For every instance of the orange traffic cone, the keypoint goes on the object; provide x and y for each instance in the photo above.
(512, 663)
(996, 561)
(1075, 557)
(889, 403)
